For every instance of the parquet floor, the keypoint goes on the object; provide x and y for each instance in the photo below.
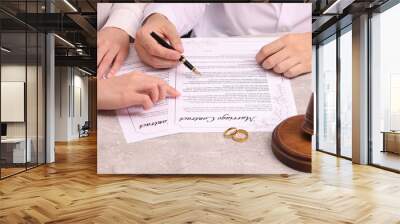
(10, 171)
(70, 191)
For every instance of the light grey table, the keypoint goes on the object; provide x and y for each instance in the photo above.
(191, 153)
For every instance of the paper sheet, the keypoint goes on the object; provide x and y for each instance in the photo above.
(233, 91)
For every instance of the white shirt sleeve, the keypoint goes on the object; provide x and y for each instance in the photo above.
(295, 18)
(184, 16)
(103, 11)
(126, 16)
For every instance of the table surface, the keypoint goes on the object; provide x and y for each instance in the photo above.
(390, 132)
(13, 140)
(191, 153)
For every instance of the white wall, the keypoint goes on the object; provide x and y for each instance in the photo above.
(81, 84)
(70, 83)
(34, 126)
(12, 73)
(62, 81)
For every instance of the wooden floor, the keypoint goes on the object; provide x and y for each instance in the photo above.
(387, 159)
(5, 172)
(70, 191)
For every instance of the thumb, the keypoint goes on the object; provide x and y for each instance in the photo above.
(172, 35)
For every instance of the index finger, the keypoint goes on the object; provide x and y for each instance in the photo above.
(101, 51)
(118, 61)
(269, 50)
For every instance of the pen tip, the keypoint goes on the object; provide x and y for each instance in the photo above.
(195, 71)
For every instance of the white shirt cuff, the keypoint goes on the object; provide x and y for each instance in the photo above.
(183, 15)
(126, 16)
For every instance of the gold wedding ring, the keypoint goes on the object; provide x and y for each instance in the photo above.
(230, 132)
(238, 135)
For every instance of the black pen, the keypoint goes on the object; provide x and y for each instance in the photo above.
(181, 59)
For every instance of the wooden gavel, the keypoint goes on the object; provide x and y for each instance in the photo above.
(291, 140)
(308, 124)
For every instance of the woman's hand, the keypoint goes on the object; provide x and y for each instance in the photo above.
(290, 55)
(132, 89)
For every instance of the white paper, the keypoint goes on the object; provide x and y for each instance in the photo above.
(233, 91)
(136, 123)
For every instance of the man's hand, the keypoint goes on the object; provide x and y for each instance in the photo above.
(133, 89)
(151, 52)
(112, 50)
(290, 55)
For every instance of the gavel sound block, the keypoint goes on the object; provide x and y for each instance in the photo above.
(291, 140)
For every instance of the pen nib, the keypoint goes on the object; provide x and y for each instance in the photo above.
(195, 71)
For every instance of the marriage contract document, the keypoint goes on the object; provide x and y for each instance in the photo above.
(233, 91)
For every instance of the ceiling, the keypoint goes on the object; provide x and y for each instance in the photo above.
(21, 21)
(329, 16)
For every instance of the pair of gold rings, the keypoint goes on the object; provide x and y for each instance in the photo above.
(238, 135)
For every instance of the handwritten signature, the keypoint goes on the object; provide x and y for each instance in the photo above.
(154, 123)
(226, 117)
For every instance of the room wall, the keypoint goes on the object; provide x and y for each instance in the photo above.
(62, 80)
(34, 125)
(17, 73)
(69, 112)
(80, 83)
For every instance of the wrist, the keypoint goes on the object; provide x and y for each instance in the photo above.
(154, 16)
